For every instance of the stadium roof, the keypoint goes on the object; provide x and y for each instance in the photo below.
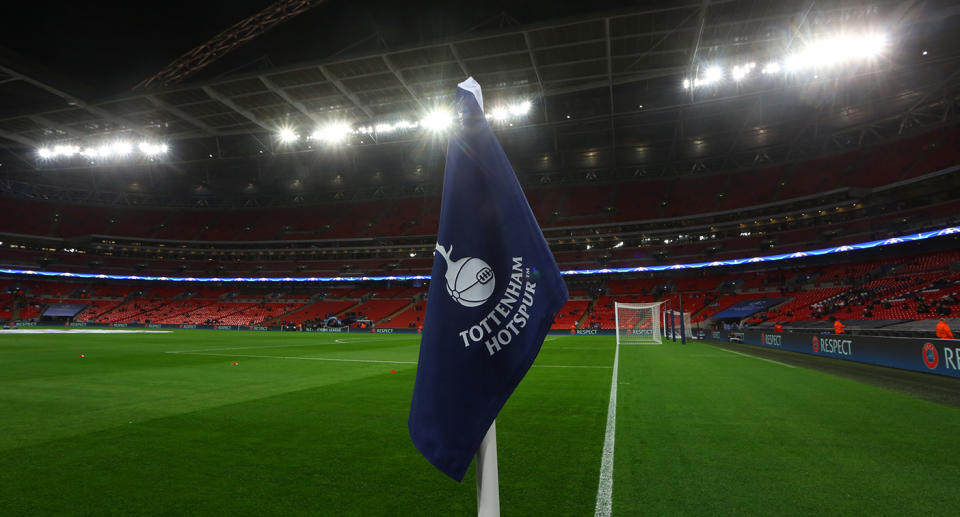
(607, 93)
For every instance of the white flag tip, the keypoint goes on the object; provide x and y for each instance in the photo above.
(472, 86)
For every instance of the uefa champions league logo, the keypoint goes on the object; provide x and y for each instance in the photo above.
(930, 356)
(470, 281)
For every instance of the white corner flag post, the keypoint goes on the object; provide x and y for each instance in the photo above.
(488, 480)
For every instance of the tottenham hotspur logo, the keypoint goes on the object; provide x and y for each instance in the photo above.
(470, 281)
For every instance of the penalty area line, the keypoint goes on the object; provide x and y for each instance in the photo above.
(605, 486)
(757, 358)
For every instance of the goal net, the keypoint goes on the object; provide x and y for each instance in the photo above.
(638, 323)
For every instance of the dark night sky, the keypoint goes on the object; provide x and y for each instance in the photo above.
(101, 49)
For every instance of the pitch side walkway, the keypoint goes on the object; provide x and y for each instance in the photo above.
(935, 388)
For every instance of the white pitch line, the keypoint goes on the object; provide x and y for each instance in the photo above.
(300, 358)
(358, 360)
(238, 348)
(605, 487)
(265, 346)
(569, 366)
(758, 358)
(595, 349)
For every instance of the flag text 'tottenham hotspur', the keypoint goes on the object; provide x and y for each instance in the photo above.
(508, 316)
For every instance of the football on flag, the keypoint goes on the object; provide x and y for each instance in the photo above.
(473, 283)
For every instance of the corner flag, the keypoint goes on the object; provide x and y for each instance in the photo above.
(494, 292)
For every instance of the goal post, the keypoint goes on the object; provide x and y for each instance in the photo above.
(674, 323)
(638, 323)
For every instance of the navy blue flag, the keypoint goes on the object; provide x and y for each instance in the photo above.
(494, 292)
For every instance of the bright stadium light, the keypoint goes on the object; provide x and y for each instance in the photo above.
(520, 109)
(385, 128)
(508, 112)
(741, 71)
(815, 56)
(287, 135)
(499, 114)
(331, 133)
(872, 45)
(121, 148)
(115, 150)
(151, 149)
(438, 120)
(65, 150)
(834, 51)
(712, 75)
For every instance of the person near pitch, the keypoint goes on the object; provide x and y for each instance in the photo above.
(943, 330)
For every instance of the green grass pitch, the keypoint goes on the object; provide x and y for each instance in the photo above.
(315, 424)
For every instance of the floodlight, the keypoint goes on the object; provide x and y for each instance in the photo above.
(288, 135)
(331, 133)
(437, 120)
(872, 45)
(121, 148)
(386, 128)
(499, 114)
(713, 74)
(686, 84)
(150, 149)
(520, 109)
(837, 50)
(65, 150)
(45, 153)
(771, 68)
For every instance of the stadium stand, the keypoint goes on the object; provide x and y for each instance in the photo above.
(570, 314)
(887, 290)
(786, 208)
